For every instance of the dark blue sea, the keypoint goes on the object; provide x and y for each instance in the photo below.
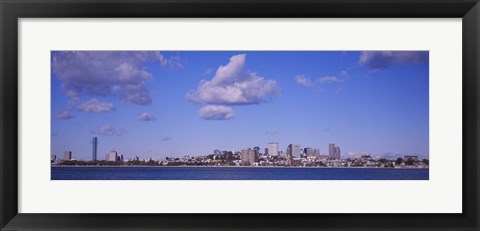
(234, 173)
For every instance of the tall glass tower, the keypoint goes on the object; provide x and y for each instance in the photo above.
(94, 153)
(331, 150)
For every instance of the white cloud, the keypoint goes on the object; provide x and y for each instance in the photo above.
(231, 85)
(173, 62)
(329, 79)
(302, 80)
(216, 112)
(119, 74)
(95, 105)
(146, 117)
(108, 130)
(306, 82)
(383, 59)
(104, 73)
(64, 115)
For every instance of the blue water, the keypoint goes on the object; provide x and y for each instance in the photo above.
(234, 173)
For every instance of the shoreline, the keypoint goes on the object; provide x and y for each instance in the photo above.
(136, 166)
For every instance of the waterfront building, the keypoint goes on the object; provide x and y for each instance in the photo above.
(67, 155)
(289, 161)
(337, 152)
(315, 152)
(249, 156)
(307, 151)
(296, 150)
(289, 150)
(120, 158)
(273, 149)
(112, 156)
(331, 150)
(53, 157)
(296, 161)
(94, 151)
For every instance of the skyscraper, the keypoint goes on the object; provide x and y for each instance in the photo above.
(337, 152)
(289, 150)
(249, 156)
(296, 150)
(273, 149)
(311, 151)
(94, 152)
(331, 150)
(67, 155)
(112, 156)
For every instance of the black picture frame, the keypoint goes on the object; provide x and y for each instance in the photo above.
(12, 10)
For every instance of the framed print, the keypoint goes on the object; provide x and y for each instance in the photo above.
(234, 107)
(292, 115)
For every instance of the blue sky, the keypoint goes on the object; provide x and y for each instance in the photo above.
(157, 104)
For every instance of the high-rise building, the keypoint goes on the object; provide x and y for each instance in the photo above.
(306, 150)
(120, 158)
(331, 150)
(53, 158)
(337, 152)
(289, 150)
(94, 151)
(296, 150)
(249, 156)
(312, 151)
(67, 155)
(273, 149)
(112, 156)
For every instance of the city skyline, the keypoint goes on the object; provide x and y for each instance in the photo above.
(271, 149)
(158, 104)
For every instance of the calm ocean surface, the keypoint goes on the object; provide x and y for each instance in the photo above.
(234, 173)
